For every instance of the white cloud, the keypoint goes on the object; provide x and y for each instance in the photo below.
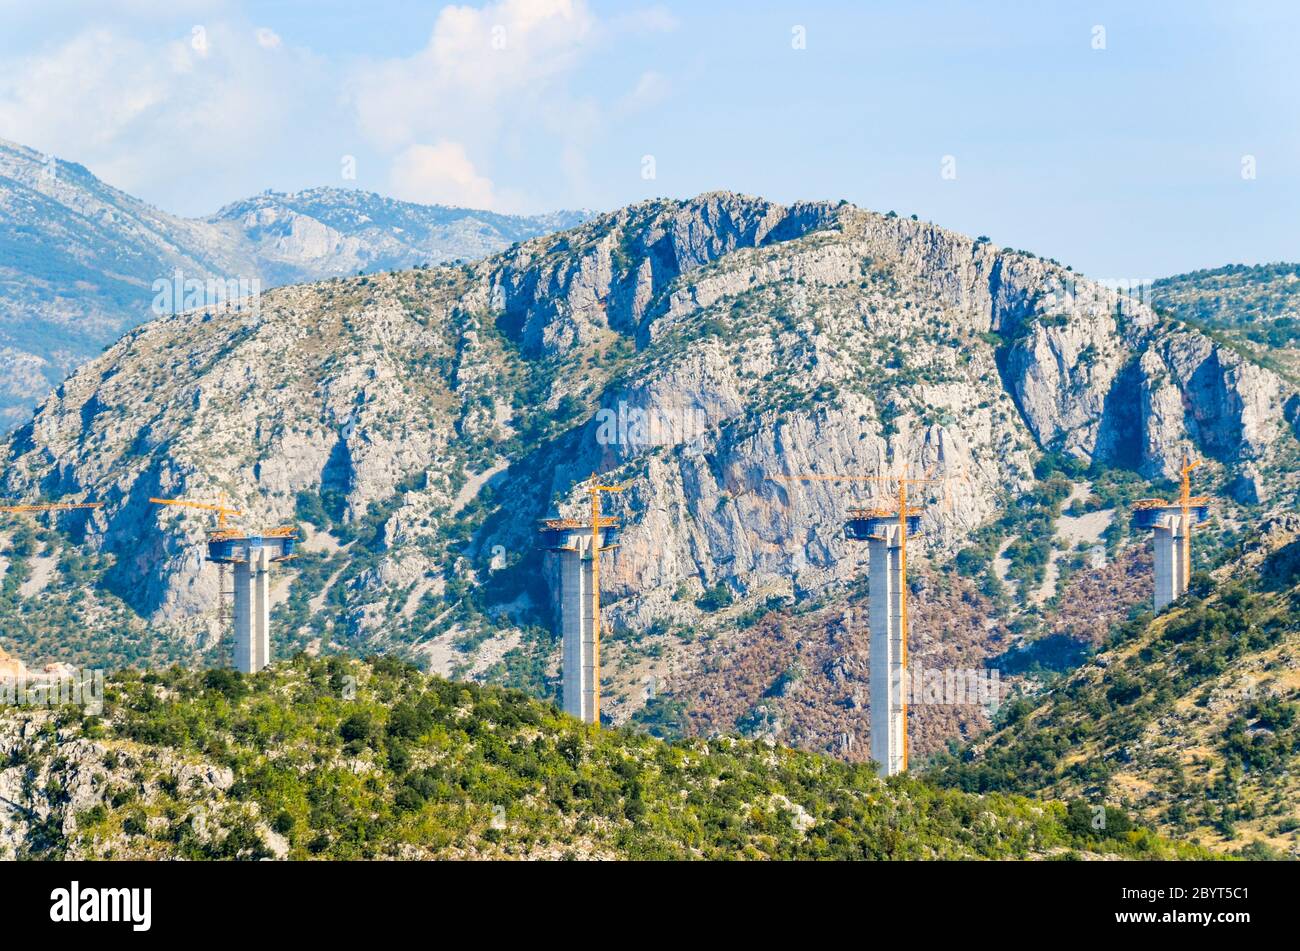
(34, 93)
(147, 117)
(479, 67)
(498, 81)
(440, 174)
(651, 89)
(180, 117)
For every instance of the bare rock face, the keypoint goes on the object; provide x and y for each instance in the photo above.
(612, 276)
(1103, 378)
(707, 354)
(52, 777)
(1232, 410)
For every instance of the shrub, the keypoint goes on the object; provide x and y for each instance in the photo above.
(715, 598)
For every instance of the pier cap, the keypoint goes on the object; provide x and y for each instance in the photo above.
(1148, 513)
(233, 547)
(867, 523)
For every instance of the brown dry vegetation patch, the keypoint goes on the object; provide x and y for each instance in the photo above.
(1094, 601)
(805, 678)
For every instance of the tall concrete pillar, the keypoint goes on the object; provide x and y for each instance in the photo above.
(886, 674)
(253, 611)
(245, 626)
(572, 545)
(251, 557)
(576, 623)
(1171, 538)
(1171, 524)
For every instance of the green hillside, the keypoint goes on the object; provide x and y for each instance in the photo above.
(333, 758)
(1233, 295)
(1189, 719)
(1256, 308)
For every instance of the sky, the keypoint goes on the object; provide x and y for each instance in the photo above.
(1128, 140)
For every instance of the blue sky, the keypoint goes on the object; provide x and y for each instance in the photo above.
(1119, 152)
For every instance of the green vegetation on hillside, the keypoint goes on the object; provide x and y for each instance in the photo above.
(1254, 310)
(54, 604)
(339, 759)
(1230, 296)
(1029, 522)
(1188, 718)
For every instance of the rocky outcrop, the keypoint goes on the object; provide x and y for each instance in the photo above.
(52, 778)
(1078, 372)
(613, 277)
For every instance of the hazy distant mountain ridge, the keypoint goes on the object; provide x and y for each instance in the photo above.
(77, 262)
(78, 258)
(326, 232)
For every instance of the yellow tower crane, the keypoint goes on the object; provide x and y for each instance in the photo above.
(36, 508)
(1185, 503)
(224, 596)
(221, 510)
(51, 507)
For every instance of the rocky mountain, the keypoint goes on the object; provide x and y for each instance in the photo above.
(78, 258)
(1188, 720)
(341, 760)
(699, 352)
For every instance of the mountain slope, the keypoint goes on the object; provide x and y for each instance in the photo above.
(77, 263)
(1233, 295)
(1255, 307)
(342, 760)
(1188, 720)
(420, 422)
(78, 258)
